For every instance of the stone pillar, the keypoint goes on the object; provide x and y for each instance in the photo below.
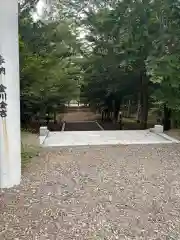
(10, 142)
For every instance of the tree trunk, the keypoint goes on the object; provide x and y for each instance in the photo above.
(167, 118)
(120, 120)
(144, 101)
(102, 116)
(138, 113)
(54, 117)
(47, 118)
(116, 109)
(174, 123)
(129, 109)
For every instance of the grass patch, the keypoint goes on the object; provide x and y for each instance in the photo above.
(29, 148)
(27, 155)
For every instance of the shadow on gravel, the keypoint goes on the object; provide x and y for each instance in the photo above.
(82, 126)
(109, 125)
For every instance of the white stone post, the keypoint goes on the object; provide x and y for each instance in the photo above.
(10, 142)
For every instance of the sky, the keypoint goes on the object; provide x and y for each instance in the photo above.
(40, 7)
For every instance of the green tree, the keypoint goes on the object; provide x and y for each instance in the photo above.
(48, 70)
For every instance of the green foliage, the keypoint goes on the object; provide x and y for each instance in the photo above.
(49, 72)
(130, 49)
(133, 44)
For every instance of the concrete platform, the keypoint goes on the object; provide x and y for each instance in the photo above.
(79, 138)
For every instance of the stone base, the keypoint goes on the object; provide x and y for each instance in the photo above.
(157, 129)
(43, 134)
(43, 131)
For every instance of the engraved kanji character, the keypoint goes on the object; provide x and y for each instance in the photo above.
(2, 70)
(3, 113)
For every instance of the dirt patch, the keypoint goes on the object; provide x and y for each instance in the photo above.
(29, 139)
(175, 133)
(79, 115)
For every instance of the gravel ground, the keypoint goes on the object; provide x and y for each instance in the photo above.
(119, 192)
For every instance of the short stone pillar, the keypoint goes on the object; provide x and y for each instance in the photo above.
(158, 129)
(43, 131)
(120, 120)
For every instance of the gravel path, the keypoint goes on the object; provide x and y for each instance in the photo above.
(80, 115)
(119, 192)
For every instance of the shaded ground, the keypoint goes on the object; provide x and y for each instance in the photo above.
(121, 192)
(55, 126)
(84, 114)
(109, 125)
(131, 124)
(127, 124)
(175, 133)
(75, 115)
(82, 126)
(34, 126)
